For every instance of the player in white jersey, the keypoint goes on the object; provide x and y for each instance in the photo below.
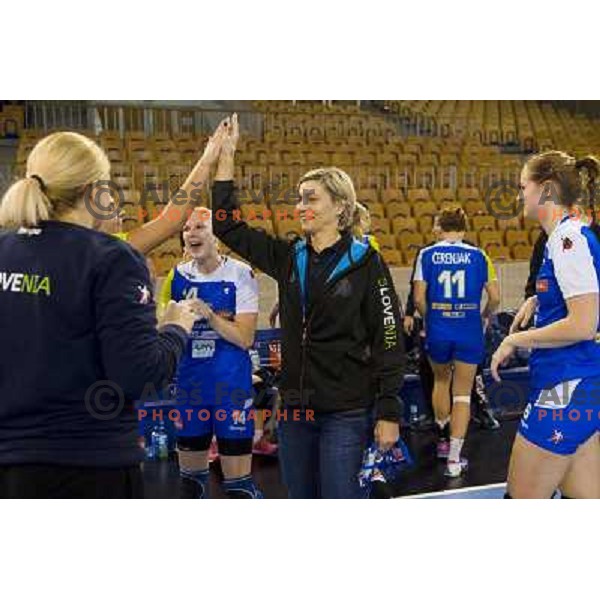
(214, 379)
(557, 444)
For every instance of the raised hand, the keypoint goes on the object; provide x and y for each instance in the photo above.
(230, 141)
(215, 143)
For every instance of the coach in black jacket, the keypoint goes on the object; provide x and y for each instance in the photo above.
(342, 347)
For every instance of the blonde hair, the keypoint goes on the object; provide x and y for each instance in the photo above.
(339, 186)
(59, 168)
(361, 224)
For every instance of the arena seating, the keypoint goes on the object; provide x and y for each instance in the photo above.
(403, 180)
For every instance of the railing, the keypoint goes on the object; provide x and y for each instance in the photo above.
(149, 118)
(172, 120)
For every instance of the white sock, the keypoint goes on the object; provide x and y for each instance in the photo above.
(456, 445)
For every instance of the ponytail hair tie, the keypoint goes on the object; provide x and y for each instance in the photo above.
(40, 181)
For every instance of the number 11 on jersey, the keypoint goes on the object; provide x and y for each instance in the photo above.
(449, 279)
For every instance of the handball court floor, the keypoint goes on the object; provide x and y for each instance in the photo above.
(488, 453)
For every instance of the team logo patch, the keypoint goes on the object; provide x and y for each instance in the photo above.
(557, 437)
(144, 294)
(567, 243)
(541, 285)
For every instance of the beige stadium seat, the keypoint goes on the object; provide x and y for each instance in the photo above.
(517, 237)
(389, 196)
(400, 224)
(483, 222)
(487, 238)
(392, 257)
(498, 252)
(386, 240)
(398, 209)
(418, 194)
(407, 240)
(379, 225)
(521, 252)
(422, 208)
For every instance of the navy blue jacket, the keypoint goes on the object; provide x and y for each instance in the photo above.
(78, 345)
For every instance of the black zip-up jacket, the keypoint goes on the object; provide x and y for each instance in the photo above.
(76, 312)
(342, 351)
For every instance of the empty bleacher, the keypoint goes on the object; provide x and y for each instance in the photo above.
(404, 180)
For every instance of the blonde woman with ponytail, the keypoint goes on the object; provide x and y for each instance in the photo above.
(79, 336)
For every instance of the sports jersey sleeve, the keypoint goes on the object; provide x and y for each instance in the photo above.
(490, 270)
(247, 292)
(573, 264)
(387, 349)
(419, 274)
(133, 352)
(165, 295)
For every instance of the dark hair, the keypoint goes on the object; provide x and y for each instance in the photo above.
(567, 172)
(452, 218)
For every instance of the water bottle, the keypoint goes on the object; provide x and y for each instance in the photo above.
(159, 443)
(414, 413)
(149, 446)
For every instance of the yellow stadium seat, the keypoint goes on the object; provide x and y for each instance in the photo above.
(398, 209)
(483, 222)
(408, 240)
(389, 196)
(376, 210)
(517, 237)
(498, 252)
(487, 238)
(418, 194)
(379, 225)
(386, 241)
(521, 252)
(400, 224)
(422, 208)
(392, 257)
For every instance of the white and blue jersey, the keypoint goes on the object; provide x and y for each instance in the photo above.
(214, 373)
(456, 274)
(564, 397)
(570, 268)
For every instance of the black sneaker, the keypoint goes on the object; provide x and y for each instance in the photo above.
(484, 417)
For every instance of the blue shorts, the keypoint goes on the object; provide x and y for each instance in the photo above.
(468, 351)
(226, 420)
(562, 418)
